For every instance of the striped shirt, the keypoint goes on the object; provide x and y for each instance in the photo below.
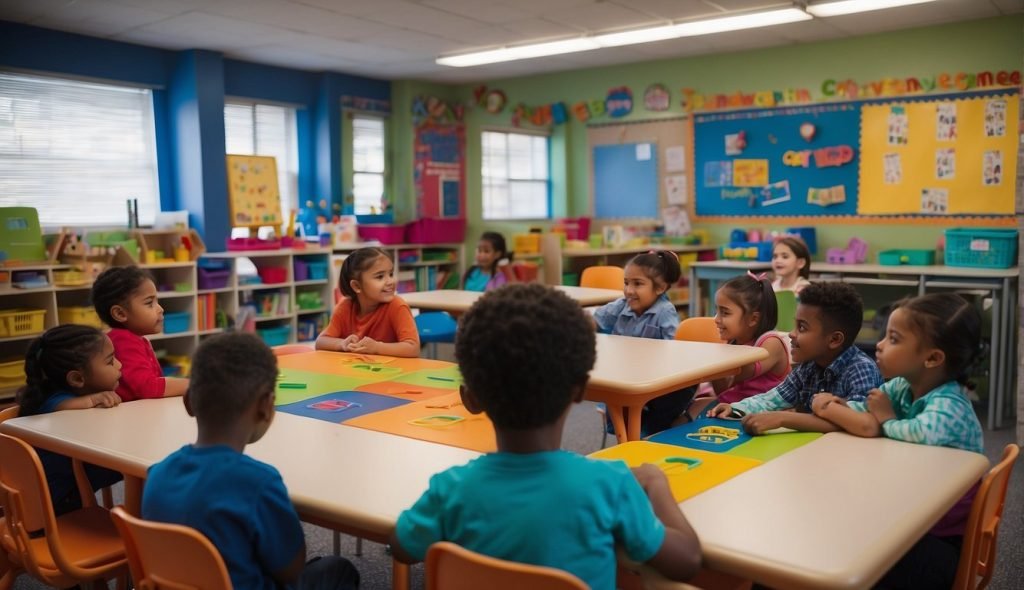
(850, 376)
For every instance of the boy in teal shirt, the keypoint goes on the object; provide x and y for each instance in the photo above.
(525, 352)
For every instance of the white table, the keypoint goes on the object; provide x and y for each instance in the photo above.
(629, 372)
(457, 302)
(1001, 283)
(836, 513)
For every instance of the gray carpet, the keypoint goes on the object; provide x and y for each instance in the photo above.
(583, 434)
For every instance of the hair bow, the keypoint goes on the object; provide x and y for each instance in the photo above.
(656, 252)
(759, 277)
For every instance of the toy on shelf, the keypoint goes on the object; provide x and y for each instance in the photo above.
(855, 252)
(745, 245)
(167, 246)
(21, 239)
(89, 259)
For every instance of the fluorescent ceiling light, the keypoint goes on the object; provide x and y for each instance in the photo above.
(855, 6)
(659, 33)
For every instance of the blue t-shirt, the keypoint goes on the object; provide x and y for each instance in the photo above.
(478, 280)
(659, 321)
(554, 508)
(239, 503)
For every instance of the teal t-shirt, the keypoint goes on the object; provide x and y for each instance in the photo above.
(555, 508)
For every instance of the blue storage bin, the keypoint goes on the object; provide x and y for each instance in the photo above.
(981, 247)
(275, 336)
(759, 251)
(317, 271)
(177, 322)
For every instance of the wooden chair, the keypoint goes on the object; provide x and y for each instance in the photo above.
(698, 330)
(286, 349)
(978, 554)
(602, 277)
(170, 556)
(78, 547)
(450, 567)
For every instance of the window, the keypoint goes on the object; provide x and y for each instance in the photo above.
(368, 164)
(66, 143)
(515, 176)
(266, 130)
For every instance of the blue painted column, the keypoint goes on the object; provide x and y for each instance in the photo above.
(327, 129)
(196, 111)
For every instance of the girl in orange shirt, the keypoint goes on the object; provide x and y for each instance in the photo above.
(371, 319)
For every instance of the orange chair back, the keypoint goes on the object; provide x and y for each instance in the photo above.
(451, 567)
(978, 554)
(286, 349)
(8, 413)
(169, 556)
(602, 277)
(698, 330)
(81, 546)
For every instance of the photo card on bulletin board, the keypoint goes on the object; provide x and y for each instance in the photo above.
(254, 197)
(625, 181)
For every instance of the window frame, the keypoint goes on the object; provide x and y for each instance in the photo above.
(549, 203)
(349, 116)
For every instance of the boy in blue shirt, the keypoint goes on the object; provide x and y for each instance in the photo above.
(828, 319)
(239, 503)
(525, 352)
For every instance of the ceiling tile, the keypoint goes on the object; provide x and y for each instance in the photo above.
(538, 28)
(600, 17)
(421, 18)
(669, 9)
(745, 4)
(295, 17)
(494, 12)
(24, 11)
(352, 7)
(205, 31)
(101, 17)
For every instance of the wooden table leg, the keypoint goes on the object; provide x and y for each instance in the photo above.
(633, 418)
(133, 495)
(615, 414)
(399, 575)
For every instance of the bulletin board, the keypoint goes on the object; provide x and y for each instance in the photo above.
(638, 170)
(254, 197)
(439, 170)
(787, 162)
(940, 157)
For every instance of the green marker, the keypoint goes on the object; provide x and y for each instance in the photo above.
(292, 385)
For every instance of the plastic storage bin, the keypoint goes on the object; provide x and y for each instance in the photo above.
(385, 234)
(760, 251)
(21, 322)
(273, 275)
(981, 248)
(210, 278)
(12, 373)
(301, 271)
(435, 231)
(317, 271)
(912, 257)
(275, 336)
(79, 315)
(526, 243)
(177, 322)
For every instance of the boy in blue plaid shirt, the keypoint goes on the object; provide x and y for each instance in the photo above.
(828, 320)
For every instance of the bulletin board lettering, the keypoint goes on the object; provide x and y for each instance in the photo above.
(439, 170)
(254, 197)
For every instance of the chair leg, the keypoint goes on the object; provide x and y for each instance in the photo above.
(359, 546)
(108, 497)
(433, 350)
(337, 543)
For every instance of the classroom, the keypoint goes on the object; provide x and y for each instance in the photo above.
(787, 230)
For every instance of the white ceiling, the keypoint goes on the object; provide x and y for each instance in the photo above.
(399, 39)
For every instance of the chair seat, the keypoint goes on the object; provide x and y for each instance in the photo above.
(436, 326)
(89, 540)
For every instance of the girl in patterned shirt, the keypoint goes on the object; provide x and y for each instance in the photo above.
(929, 342)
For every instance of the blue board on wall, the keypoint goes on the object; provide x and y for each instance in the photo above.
(770, 134)
(625, 185)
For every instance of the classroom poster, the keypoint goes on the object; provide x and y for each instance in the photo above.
(992, 168)
(898, 126)
(717, 174)
(935, 201)
(775, 193)
(995, 118)
(825, 197)
(254, 198)
(945, 121)
(749, 172)
(945, 163)
(675, 189)
(439, 170)
(675, 158)
(893, 169)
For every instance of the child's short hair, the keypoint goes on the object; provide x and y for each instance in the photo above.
(229, 372)
(753, 294)
(659, 265)
(115, 286)
(523, 351)
(50, 358)
(841, 307)
(354, 265)
(800, 250)
(950, 323)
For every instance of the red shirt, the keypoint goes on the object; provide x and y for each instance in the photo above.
(141, 375)
(390, 322)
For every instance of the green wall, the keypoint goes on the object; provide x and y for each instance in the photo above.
(990, 44)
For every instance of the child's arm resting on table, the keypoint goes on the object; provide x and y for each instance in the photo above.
(776, 356)
(405, 348)
(837, 411)
(679, 556)
(102, 399)
(325, 342)
(760, 423)
(175, 386)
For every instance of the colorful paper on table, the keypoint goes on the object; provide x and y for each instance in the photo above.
(685, 479)
(766, 447)
(341, 406)
(475, 432)
(316, 384)
(706, 434)
(407, 391)
(447, 378)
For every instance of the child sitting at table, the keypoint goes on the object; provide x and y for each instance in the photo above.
(791, 264)
(828, 319)
(493, 264)
(125, 298)
(69, 367)
(645, 311)
(525, 352)
(371, 318)
(747, 314)
(929, 342)
(240, 504)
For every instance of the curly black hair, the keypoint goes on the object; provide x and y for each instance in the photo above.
(523, 350)
(229, 372)
(115, 286)
(948, 322)
(354, 266)
(841, 307)
(659, 265)
(49, 359)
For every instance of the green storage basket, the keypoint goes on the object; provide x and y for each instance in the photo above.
(904, 256)
(981, 247)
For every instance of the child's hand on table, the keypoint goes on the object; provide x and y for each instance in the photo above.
(722, 410)
(760, 423)
(104, 399)
(366, 345)
(822, 400)
(880, 406)
(347, 343)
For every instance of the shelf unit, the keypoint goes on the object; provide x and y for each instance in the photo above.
(418, 267)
